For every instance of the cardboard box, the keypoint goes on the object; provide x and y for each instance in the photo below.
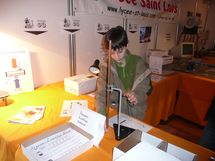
(151, 52)
(67, 157)
(164, 59)
(80, 84)
(157, 62)
(132, 148)
(180, 153)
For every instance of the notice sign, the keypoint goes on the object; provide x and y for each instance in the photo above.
(90, 121)
(71, 24)
(35, 26)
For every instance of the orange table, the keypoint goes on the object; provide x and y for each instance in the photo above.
(162, 100)
(12, 135)
(195, 96)
(104, 152)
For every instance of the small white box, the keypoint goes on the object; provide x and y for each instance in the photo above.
(156, 62)
(67, 157)
(154, 52)
(164, 59)
(180, 153)
(128, 149)
(80, 84)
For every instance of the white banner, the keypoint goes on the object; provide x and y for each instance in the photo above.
(156, 10)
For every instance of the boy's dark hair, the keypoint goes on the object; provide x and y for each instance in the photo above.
(118, 36)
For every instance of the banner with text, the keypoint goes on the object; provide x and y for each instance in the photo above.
(155, 10)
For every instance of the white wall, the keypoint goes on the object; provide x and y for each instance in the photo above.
(49, 51)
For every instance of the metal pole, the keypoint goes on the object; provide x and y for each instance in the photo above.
(195, 8)
(207, 15)
(72, 45)
(203, 41)
(108, 84)
(178, 27)
(156, 35)
(125, 24)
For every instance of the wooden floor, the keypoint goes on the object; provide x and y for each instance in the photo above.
(182, 128)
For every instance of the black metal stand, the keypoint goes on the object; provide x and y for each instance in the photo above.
(124, 131)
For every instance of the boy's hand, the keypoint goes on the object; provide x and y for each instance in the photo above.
(131, 97)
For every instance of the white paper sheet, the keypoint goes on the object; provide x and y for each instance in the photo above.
(57, 145)
(90, 121)
(67, 107)
(129, 122)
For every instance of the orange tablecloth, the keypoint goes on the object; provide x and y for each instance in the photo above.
(105, 150)
(161, 101)
(195, 96)
(12, 135)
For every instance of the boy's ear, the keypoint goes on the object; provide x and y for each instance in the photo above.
(128, 44)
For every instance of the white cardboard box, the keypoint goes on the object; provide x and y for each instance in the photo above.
(80, 84)
(135, 143)
(164, 59)
(66, 157)
(156, 62)
(151, 52)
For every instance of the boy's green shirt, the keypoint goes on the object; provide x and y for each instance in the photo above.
(127, 73)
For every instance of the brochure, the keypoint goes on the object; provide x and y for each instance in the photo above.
(28, 115)
(67, 107)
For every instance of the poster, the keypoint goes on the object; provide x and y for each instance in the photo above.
(15, 71)
(145, 34)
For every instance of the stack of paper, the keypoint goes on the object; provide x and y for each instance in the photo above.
(67, 107)
(28, 115)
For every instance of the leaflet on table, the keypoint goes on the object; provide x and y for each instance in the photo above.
(28, 115)
(88, 120)
(57, 145)
(67, 107)
(128, 121)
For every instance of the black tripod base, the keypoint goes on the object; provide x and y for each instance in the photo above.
(124, 131)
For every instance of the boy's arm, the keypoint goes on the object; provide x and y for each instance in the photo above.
(143, 86)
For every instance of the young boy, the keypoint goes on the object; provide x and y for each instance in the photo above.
(128, 73)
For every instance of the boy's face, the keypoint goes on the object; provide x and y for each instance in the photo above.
(119, 54)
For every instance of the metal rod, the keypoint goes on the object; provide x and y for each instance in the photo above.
(108, 84)
(72, 40)
(125, 24)
(195, 8)
(177, 37)
(120, 108)
(208, 9)
(156, 35)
